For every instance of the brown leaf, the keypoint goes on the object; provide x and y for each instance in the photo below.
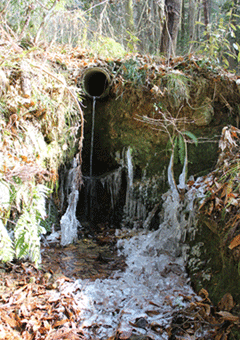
(207, 307)
(218, 203)
(211, 206)
(60, 323)
(203, 293)
(226, 303)
(228, 316)
(153, 312)
(235, 242)
(9, 321)
(27, 336)
(124, 335)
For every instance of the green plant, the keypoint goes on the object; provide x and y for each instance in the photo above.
(133, 73)
(106, 47)
(180, 145)
(29, 200)
(179, 151)
(28, 230)
(176, 86)
(219, 39)
(131, 42)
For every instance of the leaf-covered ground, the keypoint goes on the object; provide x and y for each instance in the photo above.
(34, 304)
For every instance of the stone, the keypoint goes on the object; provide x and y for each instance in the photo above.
(204, 114)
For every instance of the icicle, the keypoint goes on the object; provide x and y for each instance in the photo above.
(183, 175)
(171, 180)
(134, 209)
(129, 168)
(113, 182)
(128, 204)
(69, 223)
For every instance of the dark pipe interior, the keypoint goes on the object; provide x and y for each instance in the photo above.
(95, 83)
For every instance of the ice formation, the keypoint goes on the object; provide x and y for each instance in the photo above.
(153, 285)
(69, 223)
(134, 209)
(113, 182)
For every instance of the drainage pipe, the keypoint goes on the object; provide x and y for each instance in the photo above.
(96, 82)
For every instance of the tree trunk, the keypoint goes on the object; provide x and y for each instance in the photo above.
(170, 27)
(182, 29)
(206, 12)
(130, 34)
(191, 21)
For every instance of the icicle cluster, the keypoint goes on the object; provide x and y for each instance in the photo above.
(69, 223)
(113, 182)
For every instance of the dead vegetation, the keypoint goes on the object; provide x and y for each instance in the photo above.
(33, 305)
(222, 202)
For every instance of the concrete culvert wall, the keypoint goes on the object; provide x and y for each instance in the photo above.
(96, 82)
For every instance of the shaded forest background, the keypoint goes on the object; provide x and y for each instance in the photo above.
(114, 28)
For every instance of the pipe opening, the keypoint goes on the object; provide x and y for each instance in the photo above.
(96, 82)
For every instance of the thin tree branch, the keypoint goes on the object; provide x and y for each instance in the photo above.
(45, 17)
(4, 9)
(30, 9)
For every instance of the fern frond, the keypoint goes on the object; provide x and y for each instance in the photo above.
(28, 229)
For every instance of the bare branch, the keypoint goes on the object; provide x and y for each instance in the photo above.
(4, 9)
(30, 9)
(10, 39)
(45, 17)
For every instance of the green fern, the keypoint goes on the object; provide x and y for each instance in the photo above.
(28, 229)
(177, 88)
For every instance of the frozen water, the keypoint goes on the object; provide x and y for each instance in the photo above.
(153, 285)
(129, 167)
(110, 304)
(113, 182)
(134, 209)
(69, 223)
(154, 282)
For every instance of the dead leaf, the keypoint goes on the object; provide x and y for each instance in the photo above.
(203, 293)
(211, 206)
(226, 303)
(9, 321)
(228, 316)
(207, 308)
(60, 323)
(235, 242)
(27, 336)
(152, 312)
(218, 203)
